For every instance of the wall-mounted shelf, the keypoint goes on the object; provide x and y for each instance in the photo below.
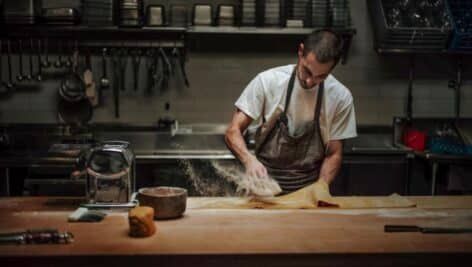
(18, 31)
(258, 30)
(89, 33)
(401, 51)
(255, 39)
(202, 38)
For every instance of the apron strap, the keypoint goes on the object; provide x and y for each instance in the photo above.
(319, 99)
(289, 90)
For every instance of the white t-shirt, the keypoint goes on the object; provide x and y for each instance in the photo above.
(268, 90)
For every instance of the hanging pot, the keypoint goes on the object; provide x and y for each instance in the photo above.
(72, 88)
(76, 113)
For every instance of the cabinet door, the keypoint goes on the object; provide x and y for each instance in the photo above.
(375, 175)
(339, 185)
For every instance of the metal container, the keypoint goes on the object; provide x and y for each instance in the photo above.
(203, 15)
(178, 16)
(155, 15)
(110, 173)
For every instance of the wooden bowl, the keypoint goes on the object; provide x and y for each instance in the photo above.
(168, 202)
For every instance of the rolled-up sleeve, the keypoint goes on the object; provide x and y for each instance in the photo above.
(251, 101)
(344, 122)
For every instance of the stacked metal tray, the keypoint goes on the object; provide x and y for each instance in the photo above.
(248, 12)
(299, 10)
(272, 13)
(339, 11)
(131, 13)
(226, 15)
(98, 12)
(179, 16)
(319, 13)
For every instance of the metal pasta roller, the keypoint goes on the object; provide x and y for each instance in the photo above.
(110, 175)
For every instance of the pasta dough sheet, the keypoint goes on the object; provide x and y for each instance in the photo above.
(309, 197)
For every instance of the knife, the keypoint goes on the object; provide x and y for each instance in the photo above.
(37, 236)
(426, 230)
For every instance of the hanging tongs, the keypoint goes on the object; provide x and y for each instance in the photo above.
(181, 60)
(166, 68)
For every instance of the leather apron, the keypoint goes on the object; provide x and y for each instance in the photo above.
(293, 161)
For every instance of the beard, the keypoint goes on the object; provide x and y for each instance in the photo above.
(304, 85)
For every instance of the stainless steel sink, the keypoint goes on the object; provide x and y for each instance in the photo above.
(372, 141)
(189, 139)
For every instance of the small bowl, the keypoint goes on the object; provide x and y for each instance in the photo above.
(168, 202)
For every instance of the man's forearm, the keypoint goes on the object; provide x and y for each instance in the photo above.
(235, 142)
(331, 164)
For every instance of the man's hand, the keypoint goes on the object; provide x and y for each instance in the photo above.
(260, 184)
(321, 190)
(256, 181)
(321, 195)
(255, 169)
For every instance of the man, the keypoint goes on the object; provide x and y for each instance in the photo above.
(303, 114)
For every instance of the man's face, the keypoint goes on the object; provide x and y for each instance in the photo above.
(310, 72)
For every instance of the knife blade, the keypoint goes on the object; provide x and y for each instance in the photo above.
(426, 230)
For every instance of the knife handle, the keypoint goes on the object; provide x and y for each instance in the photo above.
(391, 228)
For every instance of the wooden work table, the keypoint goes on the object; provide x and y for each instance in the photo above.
(212, 237)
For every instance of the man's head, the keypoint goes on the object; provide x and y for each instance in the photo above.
(317, 56)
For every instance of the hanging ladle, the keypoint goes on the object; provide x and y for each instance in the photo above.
(3, 85)
(45, 63)
(38, 55)
(20, 77)
(58, 64)
(104, 81)
(29, 76)
(68, 62)
(10, 84)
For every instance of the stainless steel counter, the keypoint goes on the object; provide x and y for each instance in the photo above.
(54, 144)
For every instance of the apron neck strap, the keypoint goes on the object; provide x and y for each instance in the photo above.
(289, 95)
(319, 99)
(290, 89)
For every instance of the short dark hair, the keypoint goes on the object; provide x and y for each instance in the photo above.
(325, 44)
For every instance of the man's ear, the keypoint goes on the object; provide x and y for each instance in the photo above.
(301, 47)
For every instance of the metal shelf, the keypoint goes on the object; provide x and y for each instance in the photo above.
(201, 36)
(401, 51)
(19, 31)
(259, 30)
(91, 33)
